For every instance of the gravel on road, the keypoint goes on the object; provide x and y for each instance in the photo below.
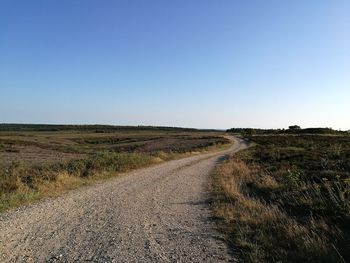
(155, 214)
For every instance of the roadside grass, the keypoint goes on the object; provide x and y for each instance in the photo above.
(22, 183)
(287, 199)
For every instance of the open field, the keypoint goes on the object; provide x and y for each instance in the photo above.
(156, 214)
(287, 199)
(40, 144)
(39, 161)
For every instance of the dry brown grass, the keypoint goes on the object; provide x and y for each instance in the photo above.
(22, 183)
(63, 182)
(264, 232)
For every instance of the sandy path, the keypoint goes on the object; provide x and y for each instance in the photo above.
(156, 214)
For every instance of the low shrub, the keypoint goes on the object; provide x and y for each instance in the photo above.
(287, 199)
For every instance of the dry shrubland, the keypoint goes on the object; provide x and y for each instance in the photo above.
(287, 199)
(36, 164)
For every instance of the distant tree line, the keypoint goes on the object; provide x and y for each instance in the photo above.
(294, 129)
(94, 128)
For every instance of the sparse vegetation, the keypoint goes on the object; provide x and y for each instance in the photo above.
(287, 199)
(51, 146)
(41, 163)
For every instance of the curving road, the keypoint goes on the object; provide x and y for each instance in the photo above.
(156, 214)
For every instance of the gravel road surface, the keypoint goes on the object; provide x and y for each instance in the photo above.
(156, 214)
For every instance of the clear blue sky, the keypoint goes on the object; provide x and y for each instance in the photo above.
(192, 63)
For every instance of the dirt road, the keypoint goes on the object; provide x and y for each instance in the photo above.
(156, 214)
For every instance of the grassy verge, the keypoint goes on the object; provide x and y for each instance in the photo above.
(287, 199)
(22, 183)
